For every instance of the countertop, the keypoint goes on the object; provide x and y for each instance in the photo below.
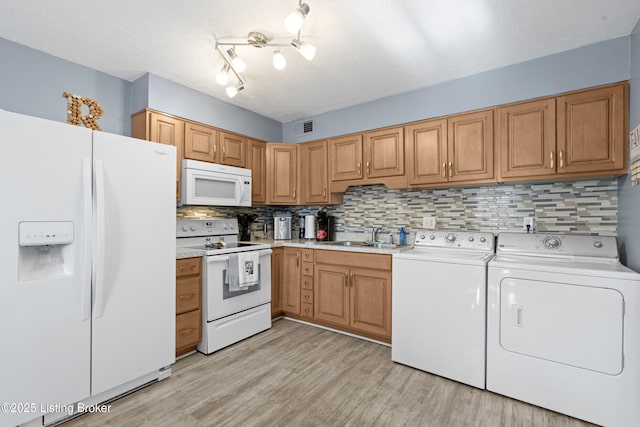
(301, 243)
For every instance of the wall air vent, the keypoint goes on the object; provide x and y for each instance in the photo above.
(303, 127)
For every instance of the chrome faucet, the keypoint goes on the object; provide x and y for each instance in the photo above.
(374, 234)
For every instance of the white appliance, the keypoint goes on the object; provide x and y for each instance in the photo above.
(211, 184)
(563, 326)
(229, 314)
(87, 284)
(438, 304)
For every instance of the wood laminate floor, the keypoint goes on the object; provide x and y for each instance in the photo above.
(299, 375)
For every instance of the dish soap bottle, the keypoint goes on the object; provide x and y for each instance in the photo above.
(403, 236)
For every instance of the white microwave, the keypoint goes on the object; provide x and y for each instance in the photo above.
(211, 184)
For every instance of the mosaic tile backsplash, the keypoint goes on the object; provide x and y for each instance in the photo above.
(584, 207)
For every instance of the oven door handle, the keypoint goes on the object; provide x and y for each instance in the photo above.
(224, 257)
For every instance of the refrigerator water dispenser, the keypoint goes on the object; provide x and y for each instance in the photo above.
(45, 249)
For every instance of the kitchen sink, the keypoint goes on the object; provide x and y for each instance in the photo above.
(349, 243)
(365, 244)
(382, 245)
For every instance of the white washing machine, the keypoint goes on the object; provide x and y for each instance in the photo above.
(563, 327)
(439, 304)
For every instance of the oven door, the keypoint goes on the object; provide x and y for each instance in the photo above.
(207, 188)
(219, 301)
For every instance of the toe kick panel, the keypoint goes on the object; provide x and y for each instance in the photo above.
(579, 326)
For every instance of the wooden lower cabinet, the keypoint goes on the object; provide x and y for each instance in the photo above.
(276, 282)
(291, 280)
(188, 304)
(352, 292)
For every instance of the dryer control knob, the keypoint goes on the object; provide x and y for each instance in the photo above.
(184, 228)
(432, 237)
(193, 228)
(482, 239)
(597, 244)
(552, 242)
(471, 239)
(422, 237)
(451, 237)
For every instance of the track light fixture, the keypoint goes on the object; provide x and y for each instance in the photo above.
(235, 64)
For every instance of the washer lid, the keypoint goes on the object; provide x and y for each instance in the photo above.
(557, 245)
(444, 255)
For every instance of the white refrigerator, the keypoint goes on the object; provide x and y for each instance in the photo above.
(87, 276)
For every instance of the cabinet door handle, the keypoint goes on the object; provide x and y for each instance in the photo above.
(368, 167)
(346, 279)
(297, 259)
(444, 170)
(224, 153)
(351, 278)
(551, 158)
(294, 193)
(324, 192)
(359, 168)
(450, 170)
(215, 151)
(561, 161)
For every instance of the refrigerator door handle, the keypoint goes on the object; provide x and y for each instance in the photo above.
(98, 305)
(85, 307)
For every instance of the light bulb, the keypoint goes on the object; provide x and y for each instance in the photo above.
(307, 50)
(231, 91)
(279, 61)
(238, 63)
(223, 75)
(293, 22)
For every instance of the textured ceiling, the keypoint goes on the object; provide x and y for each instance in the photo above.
(367, 49)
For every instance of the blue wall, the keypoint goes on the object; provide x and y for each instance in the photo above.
(596, 64)
(173, 98)
(32, 83)
(628, 196)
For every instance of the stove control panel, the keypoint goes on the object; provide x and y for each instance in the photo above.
(206, 227)
(456, 239)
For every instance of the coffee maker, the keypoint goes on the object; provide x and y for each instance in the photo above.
(326, 223)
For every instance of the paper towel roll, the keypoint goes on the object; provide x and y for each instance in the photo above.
(309, 227)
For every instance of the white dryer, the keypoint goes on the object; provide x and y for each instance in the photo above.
(439, 304)
(563, 326)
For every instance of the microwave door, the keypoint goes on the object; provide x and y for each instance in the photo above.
(213, 189)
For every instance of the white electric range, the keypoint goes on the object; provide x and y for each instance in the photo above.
(229, 313)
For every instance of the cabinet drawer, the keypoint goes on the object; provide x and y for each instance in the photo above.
(307, 296)
(307, 268)
(307, 254)
(188, 266)
(188, 329)
(188, 294)
(307, 282)
(307, 310)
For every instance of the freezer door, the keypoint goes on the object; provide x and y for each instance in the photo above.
(45, 188)
(134, 251)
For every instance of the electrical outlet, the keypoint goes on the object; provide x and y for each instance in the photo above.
(429, 222)
(528, 224)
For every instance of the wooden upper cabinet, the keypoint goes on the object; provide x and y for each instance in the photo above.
(592, 130)
(345, 158)
(200, 142)
(282, 173)
(426, 152)
(164, 129)
(233, 150)
(257, 162)
(314, 172)
(470, 146)
(527, 139)
(384, 152)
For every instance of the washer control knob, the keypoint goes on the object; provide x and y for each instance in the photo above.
(552, 242)
(432, 237)
(482, 239)
(184, 228)
(422, 237)
(597, 244)
(471, 239)
(225, 226)
(193, 228)
(451, 237)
